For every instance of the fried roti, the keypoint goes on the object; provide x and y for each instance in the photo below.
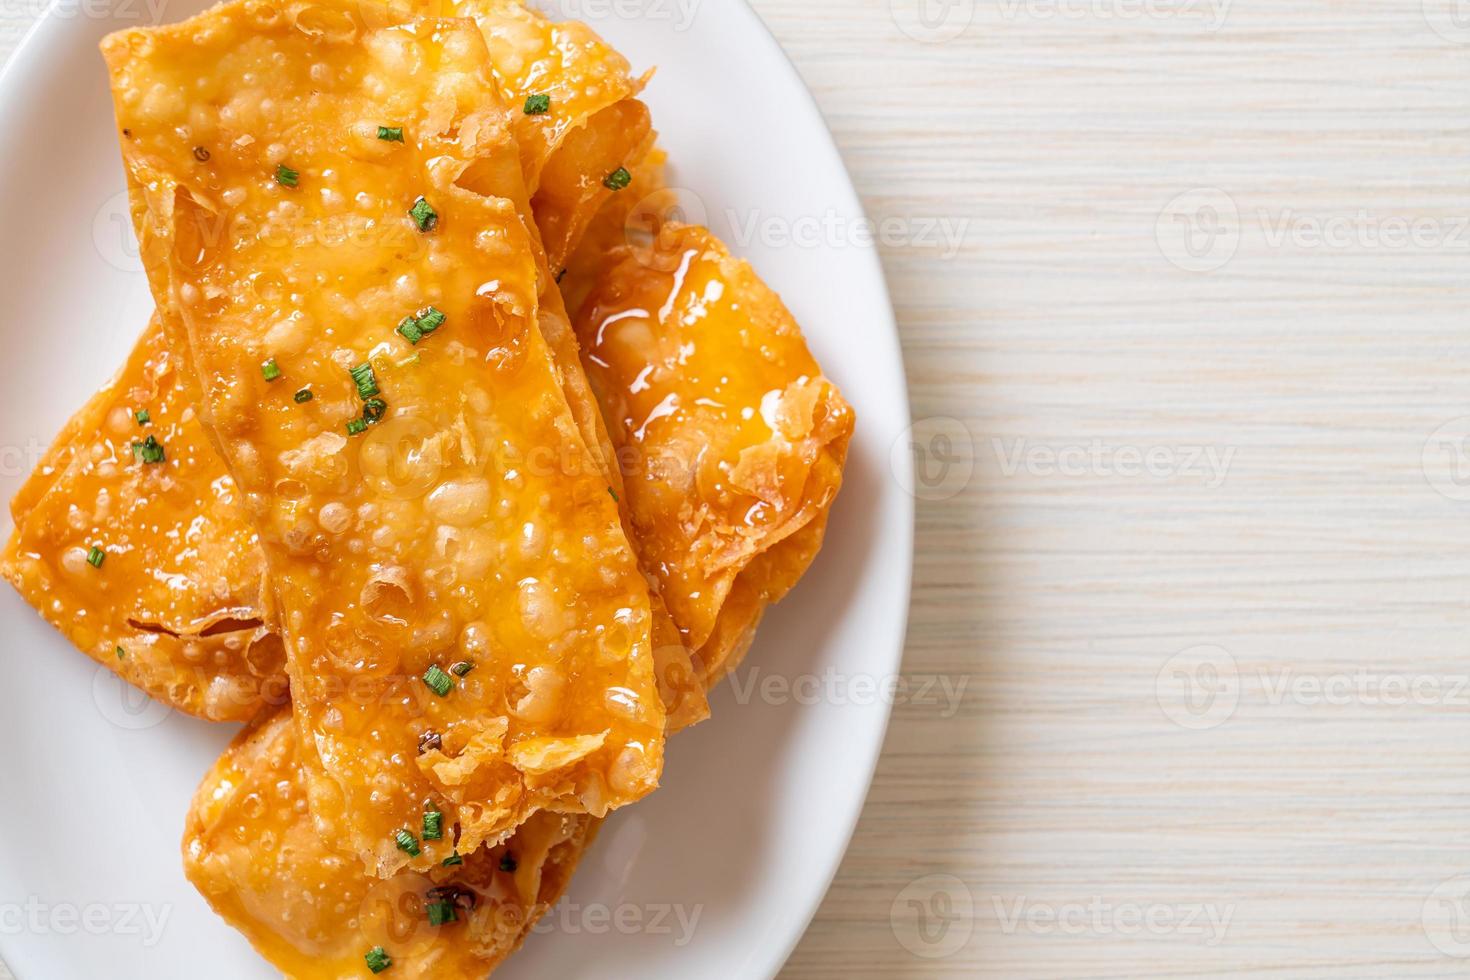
(593, 125)
(170, 599)
(730, 440)
(227, 674)
(470, 629)
(253, 854)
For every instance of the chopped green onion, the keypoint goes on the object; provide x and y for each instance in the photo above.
(452, 860)
(462, 668)
(441, 913)
(120, 652)
(148, 451)
(142, 416)
(378, 959)
(366, 381)
(426, 321)
(270, 369)
(96, 556)
(393, 134)
(433, 825)
(304, 395)
(537, 105)
(438, 681)
(406, 842)
(423, 215)
(285, 176)
(409, 327)
(618, 179)
(355, 426)
(613, 494)
(373, 409)
(508, 862)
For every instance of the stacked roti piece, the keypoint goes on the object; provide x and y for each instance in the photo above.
(462, 557)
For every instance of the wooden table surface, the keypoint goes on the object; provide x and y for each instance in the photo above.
(1183, 292)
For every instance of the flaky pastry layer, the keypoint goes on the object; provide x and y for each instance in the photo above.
(730, 439)
(495, 545)
(312, 912)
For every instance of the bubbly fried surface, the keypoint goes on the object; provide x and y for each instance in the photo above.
(211, 677)
(593, 124)
(730, 439)
(582, 175)
(495, 543)
(564, 60)
(229, 677)
(174, 604)
(252, 852)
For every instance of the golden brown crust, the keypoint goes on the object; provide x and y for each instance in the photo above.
(763, 579)
(730, 439)
(174, 606)
(585, 75)
(252, 853)
(500, 545)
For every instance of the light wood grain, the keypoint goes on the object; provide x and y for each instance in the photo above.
(1056, 135)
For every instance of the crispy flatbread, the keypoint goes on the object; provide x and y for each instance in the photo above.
(174, 605)
(730, 440)
(498, 546)
(227, 674)
(594, 126)
(312, 912)
(223, 870)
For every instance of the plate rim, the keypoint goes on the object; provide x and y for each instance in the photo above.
(49, 29)
(902, 473)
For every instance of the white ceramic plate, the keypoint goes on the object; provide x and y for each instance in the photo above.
(718, 873)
